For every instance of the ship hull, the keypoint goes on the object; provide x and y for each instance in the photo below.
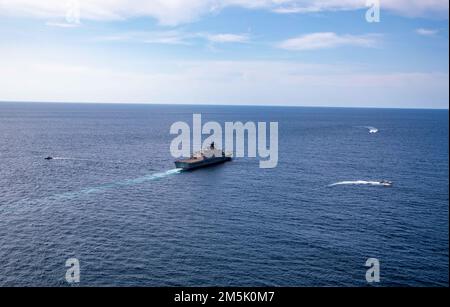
(189, 165)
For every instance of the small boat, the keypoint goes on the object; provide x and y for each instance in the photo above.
(386, 183)
(49, 158)
(204, 158)
(372, 130)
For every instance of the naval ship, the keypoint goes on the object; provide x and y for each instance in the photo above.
(203, 158)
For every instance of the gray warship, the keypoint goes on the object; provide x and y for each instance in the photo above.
(203, 158)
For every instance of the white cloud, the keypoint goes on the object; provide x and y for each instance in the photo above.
(295, 7)
(327, 40)
(427, 32)
(417, 8)
(174, 37)
(296, 10)
(411, 8)
(167, 12)
(62, 24)
(228, 38)
(46, 78)
(174, 12)
(170, 37)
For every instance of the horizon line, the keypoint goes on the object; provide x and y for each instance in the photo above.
(224, 105)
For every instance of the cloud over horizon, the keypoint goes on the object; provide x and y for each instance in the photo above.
(327, 40)
(223, 82)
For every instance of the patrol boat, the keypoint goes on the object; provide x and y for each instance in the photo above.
(203, 158)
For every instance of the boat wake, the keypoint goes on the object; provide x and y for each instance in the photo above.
(50, 158)
(106, 187)
(150, 177)
(363, 182)
(129, 182)
(87, 191)
(74, 159)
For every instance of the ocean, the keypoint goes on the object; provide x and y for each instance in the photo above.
(112, 199)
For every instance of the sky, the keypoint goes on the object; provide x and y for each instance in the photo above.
(236, 52)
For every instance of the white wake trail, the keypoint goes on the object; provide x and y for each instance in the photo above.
(92, 190)
(360, 182)
(106, 187)
(150, 177)
(73, 159)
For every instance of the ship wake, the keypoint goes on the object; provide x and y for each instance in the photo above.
(73, 159)
(106, 187)
(129, 182)
(359, 182)
(114, 185)
(150, 177)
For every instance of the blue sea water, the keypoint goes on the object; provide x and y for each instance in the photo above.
(113, 201)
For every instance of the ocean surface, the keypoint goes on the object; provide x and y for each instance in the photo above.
(113, 200)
